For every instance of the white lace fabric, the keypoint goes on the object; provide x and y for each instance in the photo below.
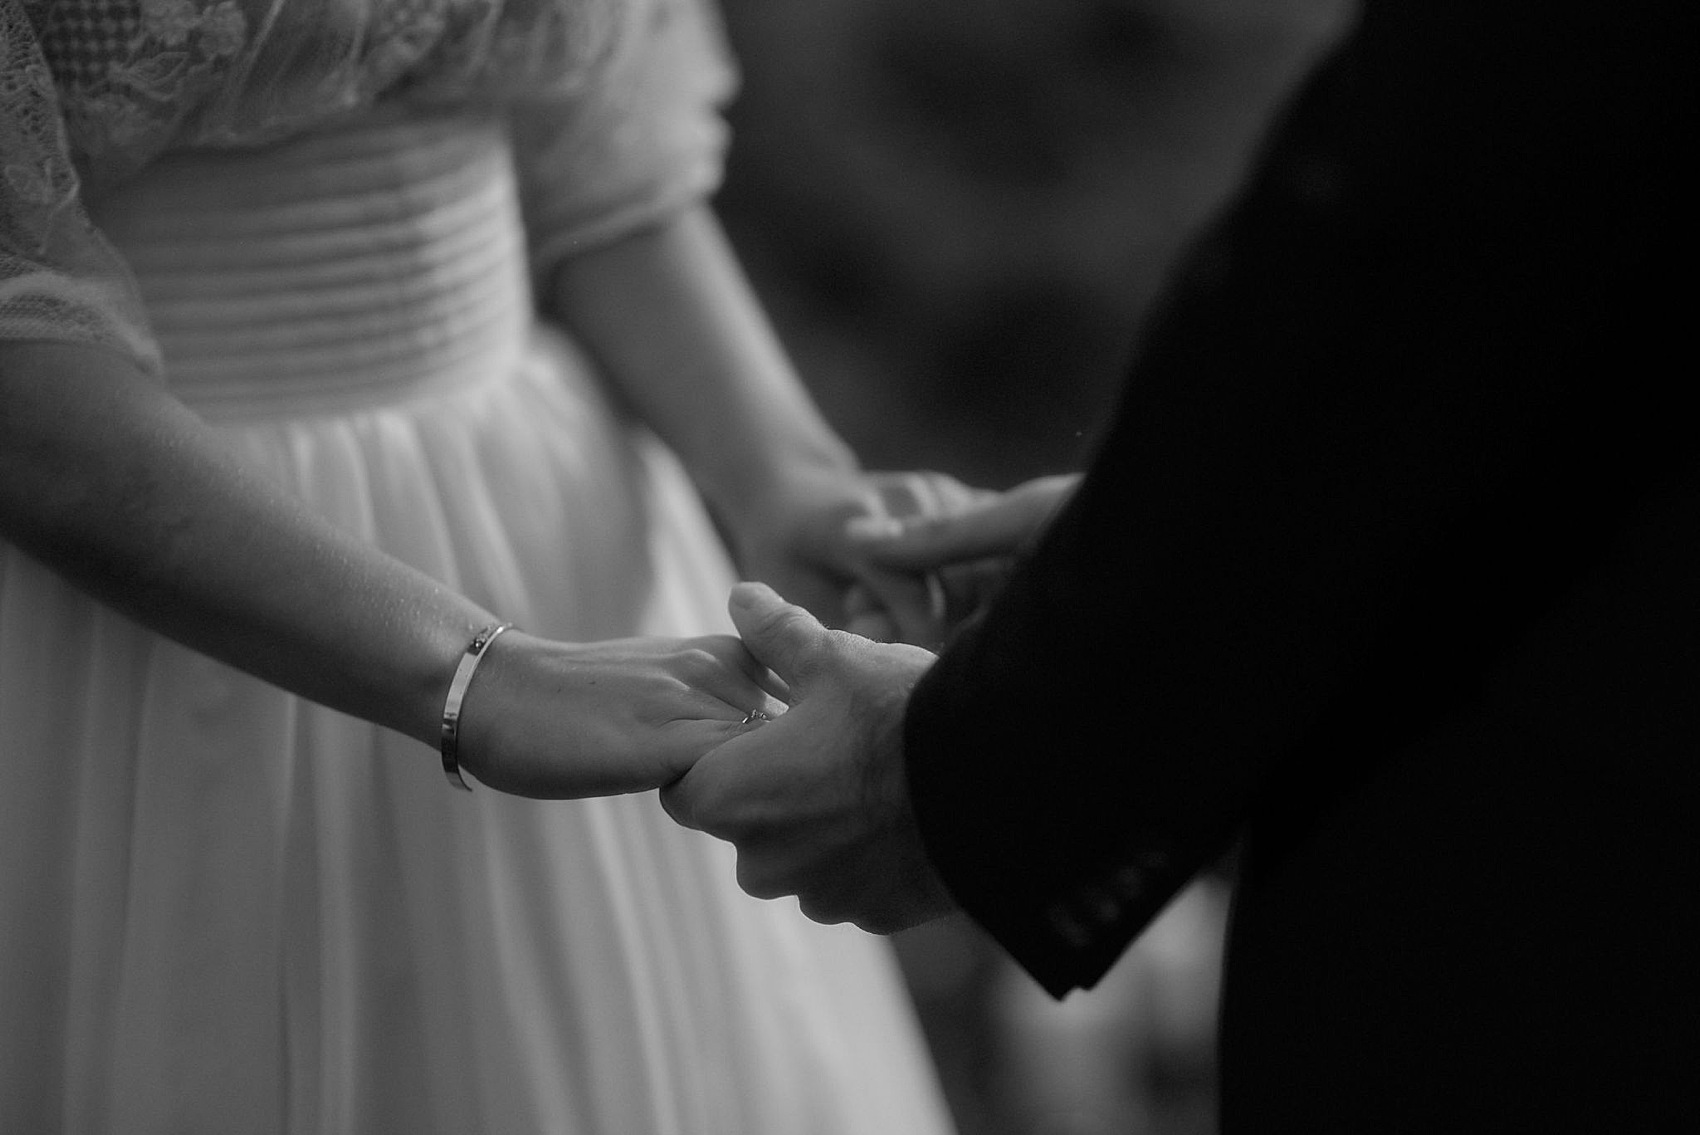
(615, 102)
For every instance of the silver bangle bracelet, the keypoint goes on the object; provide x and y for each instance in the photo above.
(457, 693)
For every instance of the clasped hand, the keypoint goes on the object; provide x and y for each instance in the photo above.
(817, 800)
(557, 720)
(813, 791)
(937, 552)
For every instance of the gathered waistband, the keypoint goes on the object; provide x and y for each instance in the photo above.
(356, 266)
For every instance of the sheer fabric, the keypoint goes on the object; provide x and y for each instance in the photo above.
(223, 909)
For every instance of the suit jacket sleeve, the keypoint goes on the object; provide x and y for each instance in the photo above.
(1391, 405)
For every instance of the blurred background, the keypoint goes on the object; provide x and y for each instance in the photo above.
(957, 212)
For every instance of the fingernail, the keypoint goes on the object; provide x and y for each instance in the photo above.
(872, 528)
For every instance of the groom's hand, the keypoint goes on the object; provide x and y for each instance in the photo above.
(817, 801)
(963, 549)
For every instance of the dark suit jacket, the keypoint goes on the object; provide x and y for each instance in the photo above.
(1388, 566)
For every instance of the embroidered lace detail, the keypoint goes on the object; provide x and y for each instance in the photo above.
(618, 100)
(59, 279)
(130, 68)
(137, 75)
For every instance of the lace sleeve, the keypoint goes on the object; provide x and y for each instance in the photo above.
(59, 278)
(641, 137)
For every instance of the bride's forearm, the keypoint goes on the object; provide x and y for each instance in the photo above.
(671, 318)
(119, 488)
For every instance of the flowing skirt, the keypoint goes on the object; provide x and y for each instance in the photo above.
(223, 909)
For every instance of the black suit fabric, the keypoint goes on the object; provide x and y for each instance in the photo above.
(1388, 567)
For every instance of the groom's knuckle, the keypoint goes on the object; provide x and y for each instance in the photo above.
(817, 908)
(680, 808)
(757, 879)
(878, 922)
(723, 819)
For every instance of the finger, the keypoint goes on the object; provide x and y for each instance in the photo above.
(697, 797)
(900, 494)
(913, 603)
(776, 688)
(864, 616)
(938, 601)
(947, 494)
(782, 636)
(924, 493)
(720, 793)
(953, 593)
(761, 689)
(970, 586)
(928, 542)
(722, 680)
(998, 526)
(673, 749)
(913, 494)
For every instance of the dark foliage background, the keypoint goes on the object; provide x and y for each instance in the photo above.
(958, 209)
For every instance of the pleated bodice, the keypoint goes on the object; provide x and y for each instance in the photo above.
(355, 266)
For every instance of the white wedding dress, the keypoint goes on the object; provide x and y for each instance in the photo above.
(225, 910)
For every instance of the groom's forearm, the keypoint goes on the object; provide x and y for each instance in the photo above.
(1343, 476)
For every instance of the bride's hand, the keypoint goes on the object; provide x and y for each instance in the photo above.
(963, 551)
(795, 539)
(565, 720)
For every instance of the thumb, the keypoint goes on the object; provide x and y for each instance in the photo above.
(781, 636)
